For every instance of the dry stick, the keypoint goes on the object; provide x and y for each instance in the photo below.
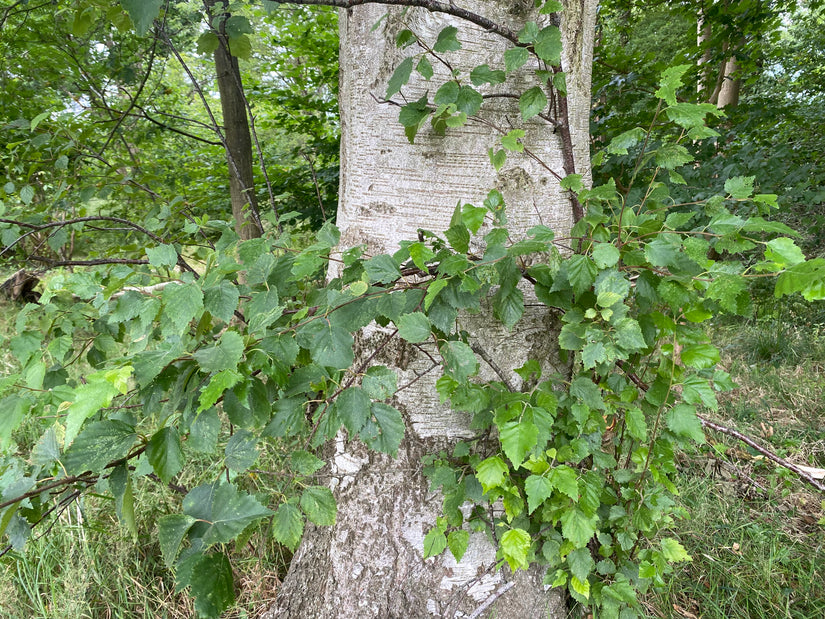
(490, 600)
(765, 452)
(256, 216)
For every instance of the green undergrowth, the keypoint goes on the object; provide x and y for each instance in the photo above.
(756, 533)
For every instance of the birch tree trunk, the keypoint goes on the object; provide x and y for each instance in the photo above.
(370, 563)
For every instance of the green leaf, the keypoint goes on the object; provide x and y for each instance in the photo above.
(581, 563)
(97, 393)
(459, 360)
(514, 58)
(689, 115)
(511, 141)
(612, 286)
(181, 304)
(380, 382)
(696, 390)
(740, 187)
(551, 6)
(415, 327)
(532, 102)
(528, 33)
(400, 77)
(14, 411)
(457, 542)
(700, 356)
(629, 335)
(390, 429)
(225, 355)
(670, 81)
(353, 408)
(581, 273)
(469, 100)
(434, 542)
(548, 45)
(491, 473)
(635, 422)
(421, 255)
(605, 255)
(447, 41)
(208, 42)
(538, 489)
(220, 382)
(682, 420)
(485, 75)
(577, 527)
(241, 451)
(328, 345)
(203, 433)
(382, 269)
(319, 505)
(518, 438)
(783, 252)
(221, 300)
(508, 305)
(165, 454)
(162, 256)
(224, 511)
(288, 526)
(263, 310)
(674, 551)
(565, 480)
(97, 445)
(171, 531)
(670, 156)
(619, 144)
(26, 194)
(587, 392)
(142, 13)
(424, 68)
(212, 585)
(514, 545)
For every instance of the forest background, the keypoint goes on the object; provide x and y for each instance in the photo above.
(114, 158)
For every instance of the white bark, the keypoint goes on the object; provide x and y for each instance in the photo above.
(370, 564)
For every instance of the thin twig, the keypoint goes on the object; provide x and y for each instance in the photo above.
(707, 423)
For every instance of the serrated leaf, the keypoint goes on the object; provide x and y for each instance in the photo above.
(224, 510)
(548, 45)
(689, 115)
(328, 345)
(700, 356)
(224, 355)
(97, 393)
(457, 542)
(414, 327)
(390, 426)
(208, 42)
(212, 585)
(577, 527)
(491, 473)
(581, 273)
(508, 305)
(485, 75)
(221, 300)
(673, 551)
(532, 102)
(459, 360)
(696, 390)
(400, 77)
(220, 382)
(380, 382)
(740, 187)
(783, 252)
(353, 408)
(382, 269)
(424, 68)
(514, 58)
(671, 80)
(518, 438)
(319, 505)
(165, 454)
(447, 41)
(435, 542)
(635, 422)
(682, 420)
(181, 304)
(627, 139)
(670, 156)
(171, 531)
(605, 255)
(142, 13)
(288, 526)
(241, 450)
(565, 480)
(99, 444)
(581, 563)
(587, 392)
(162, 256)
(514, 545)
(538, 488)
(469, 100)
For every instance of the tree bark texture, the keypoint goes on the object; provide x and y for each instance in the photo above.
(237, 138)
(370, 563)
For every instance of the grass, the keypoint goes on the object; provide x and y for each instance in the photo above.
(756, 533)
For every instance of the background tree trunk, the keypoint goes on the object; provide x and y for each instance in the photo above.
(370, 563)
(236, 133)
